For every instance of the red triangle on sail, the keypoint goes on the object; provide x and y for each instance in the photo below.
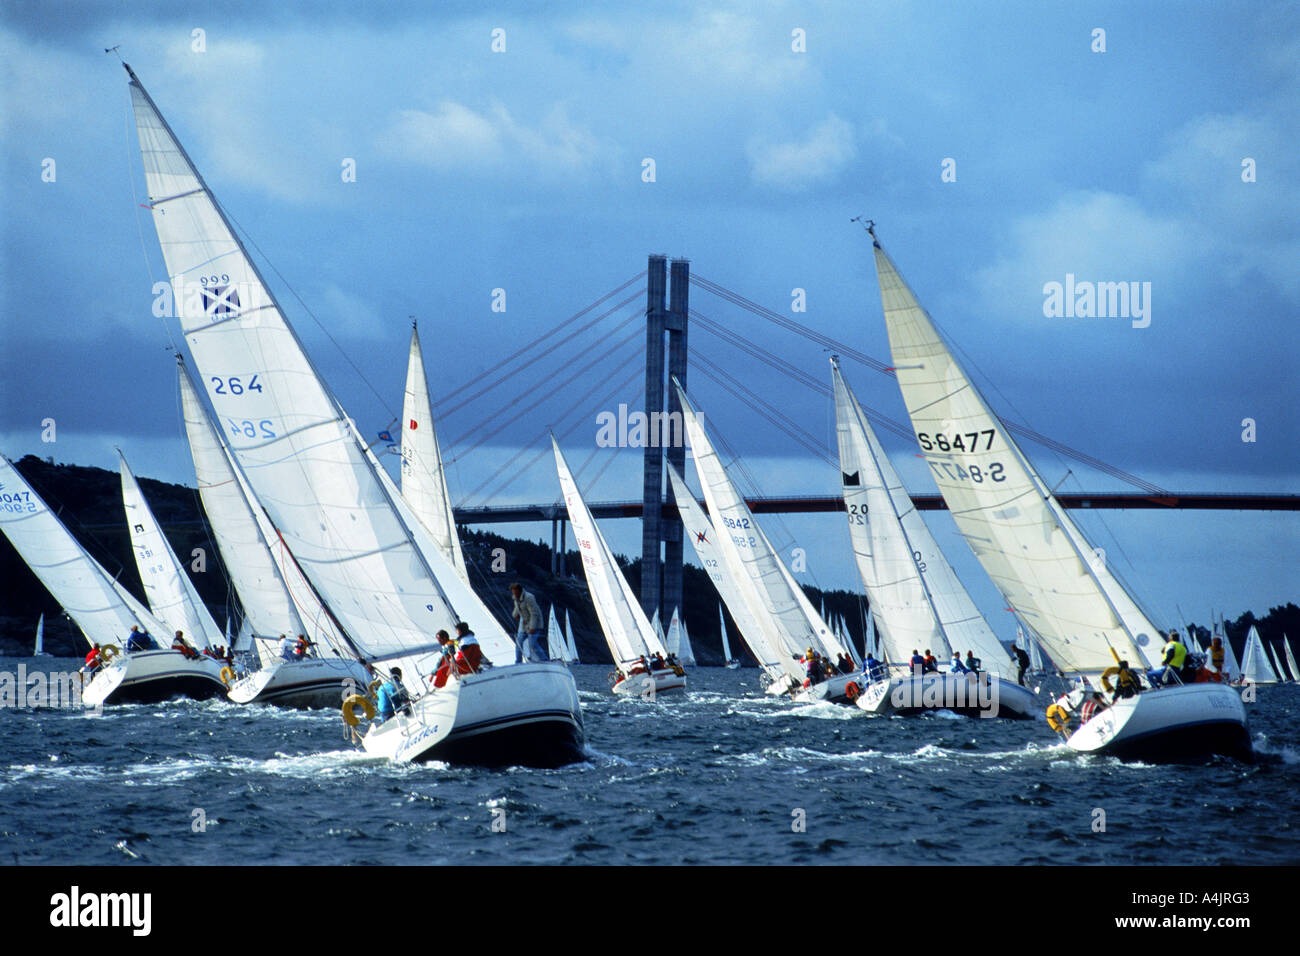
(414, 424)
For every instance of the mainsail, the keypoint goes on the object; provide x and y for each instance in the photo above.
(909, 582)
(102, 608)
(297, 447)
(1031, 549)
(780, 606)
(626, 628)
(555, 645)
(424, 480)
(168, 589)
(706, 538)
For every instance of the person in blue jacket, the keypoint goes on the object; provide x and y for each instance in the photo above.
(391, 696)
(957, 667)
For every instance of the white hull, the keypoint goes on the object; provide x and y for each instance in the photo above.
(1173, 723)
(307, 683)
(523, 714)
(147, 677)
(834, 689)
(639, 685)
(732, 665)
(909, 694)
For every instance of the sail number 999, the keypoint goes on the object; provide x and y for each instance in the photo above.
(968, 442)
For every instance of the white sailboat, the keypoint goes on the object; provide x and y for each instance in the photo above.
(359, 545)
(40, 650)
(103, 609)
(277, 600)
(791, 625)
(556, 647)
(424, 479)
(920, 604)
(780, 672)
(1290, 659)
(686, 653)
(632, 640)
(1231, 669)
(1256, 668)
(729, 662)
(1038, 558)
(568, 637)
(678, 641)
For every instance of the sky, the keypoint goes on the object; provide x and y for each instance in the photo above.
(999, 147)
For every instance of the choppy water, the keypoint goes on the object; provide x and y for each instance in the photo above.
(713, 777)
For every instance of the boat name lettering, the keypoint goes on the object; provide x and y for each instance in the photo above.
(1218, 703)
(969, 442)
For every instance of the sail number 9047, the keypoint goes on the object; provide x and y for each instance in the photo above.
(968, 442)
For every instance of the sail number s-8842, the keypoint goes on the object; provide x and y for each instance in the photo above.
(967, 442)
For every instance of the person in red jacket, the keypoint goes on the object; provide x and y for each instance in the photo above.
(92, 660)
(464, 652)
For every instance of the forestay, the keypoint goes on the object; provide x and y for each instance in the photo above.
(1030, 548)
(626, 627)
(296, 446)
(103, 609)
(424, 480)
(919, 598)
(167, 587)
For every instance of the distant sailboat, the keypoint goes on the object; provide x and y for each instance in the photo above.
(1290, 659)
(556, 647)
(568, 637)
(630, 635)
(728, 661)
(1255, 664)
(1038, 557)
(40, 639)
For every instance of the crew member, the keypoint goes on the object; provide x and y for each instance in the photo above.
(391, 696)
(528, 645)
(1022, 659)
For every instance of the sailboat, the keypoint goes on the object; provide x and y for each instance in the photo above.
(686, 653)
(1038, 557)
(916, 598)
(632, 640)
(1290, 659)
(103, 609)
(40, 650)
(1256, 668)
(358, 544)
(780, 673)
(568, 638)
(1231, 669)
(557, 648)
(277, 600)
(678, 641)
(791, 625)
(729, 662)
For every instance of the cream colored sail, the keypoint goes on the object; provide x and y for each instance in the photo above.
(628, 631)
(100, 607)
(915, 590)
(169, 590)
(1255, 665)
(1030, 548)
(424, 480)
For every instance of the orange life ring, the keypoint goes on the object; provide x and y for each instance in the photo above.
(1058, 718)
(851, 690)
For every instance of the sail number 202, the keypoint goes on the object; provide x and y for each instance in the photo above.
(968, 442)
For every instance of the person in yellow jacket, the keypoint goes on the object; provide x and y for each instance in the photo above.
(1174, 657)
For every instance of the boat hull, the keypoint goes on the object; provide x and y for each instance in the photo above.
(834, 689)
(1173, 724)
(639, 685)
(521, 715)
(149, 677)
(909, 694)
(303, 684)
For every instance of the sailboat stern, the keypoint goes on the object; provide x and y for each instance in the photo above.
(305, 684)
(1170, 725)
(150, 677)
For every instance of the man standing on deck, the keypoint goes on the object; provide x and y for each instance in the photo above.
(528, 645)
(1022, 659)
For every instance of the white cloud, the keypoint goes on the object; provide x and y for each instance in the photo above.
(817, 156)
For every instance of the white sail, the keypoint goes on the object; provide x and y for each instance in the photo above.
(100, 607)
(673, 642)
(705, 538)
(1290, 659)
(39, 651)
(658, 628)
(781, 608)
(1231, 669)
(167, 587)
(1031, 549)
(568, 637)
(424, 480)
(626, 628)
(298, 449)
(555, 646)
(686, 653)
(1255, 665)
(726, 644)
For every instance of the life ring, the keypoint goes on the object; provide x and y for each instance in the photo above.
(1058, 718)
(108, 652)
(227, 675)
(851, 690)
(677, 669)
(373, 686)
(1106, 675)
(350, 705)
